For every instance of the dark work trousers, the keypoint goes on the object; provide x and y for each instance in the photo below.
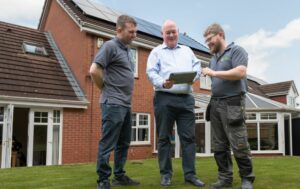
(116, 135)
(229, 131)
(170, 108)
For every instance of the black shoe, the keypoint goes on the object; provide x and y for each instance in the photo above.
(103, 184)
(195, 181)
(221, 184)
(165, 181)
(124, 180)
(246, 184)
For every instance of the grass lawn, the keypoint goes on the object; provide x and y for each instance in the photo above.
(271, 172)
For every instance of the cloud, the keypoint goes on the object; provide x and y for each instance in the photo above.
(226, 27)
(262, 44)
(25, 12)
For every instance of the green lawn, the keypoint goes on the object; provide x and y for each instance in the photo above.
(271, 172)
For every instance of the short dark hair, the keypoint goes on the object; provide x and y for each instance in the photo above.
(214, 29)
(123, 19)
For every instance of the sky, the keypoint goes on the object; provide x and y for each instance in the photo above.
(269, 30)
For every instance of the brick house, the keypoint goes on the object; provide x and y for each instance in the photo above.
(79, 33)
(71, 32)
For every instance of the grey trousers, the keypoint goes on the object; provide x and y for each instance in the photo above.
(230, 133)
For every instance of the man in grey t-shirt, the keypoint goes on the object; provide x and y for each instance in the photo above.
(227, 70)
(113, 73)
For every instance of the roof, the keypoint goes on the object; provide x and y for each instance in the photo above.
(30, 76)
(253, 103)
(93, 17)
(275, 89)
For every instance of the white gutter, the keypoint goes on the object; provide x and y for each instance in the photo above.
(42, 102)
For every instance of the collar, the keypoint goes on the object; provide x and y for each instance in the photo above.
(218, 55)
(164, 46)
(121, 45)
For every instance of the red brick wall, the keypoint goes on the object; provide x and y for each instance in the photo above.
(281, 99)
(81, 128)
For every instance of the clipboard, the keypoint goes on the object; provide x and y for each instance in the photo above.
(182, 77)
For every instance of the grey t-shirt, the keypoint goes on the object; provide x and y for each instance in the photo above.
(232, 57)
(118, 73)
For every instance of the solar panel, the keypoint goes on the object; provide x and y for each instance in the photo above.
(105, 13)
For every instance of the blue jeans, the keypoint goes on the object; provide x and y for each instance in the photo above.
(170, 108)
(116, 135)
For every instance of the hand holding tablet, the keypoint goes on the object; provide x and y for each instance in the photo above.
(182, 77)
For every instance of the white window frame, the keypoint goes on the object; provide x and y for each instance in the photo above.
(137, 127)
(49, 125)
(136, 64)
(258, 122)
(34, 48)
(205, 81)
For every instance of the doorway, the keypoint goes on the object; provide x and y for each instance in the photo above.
(19, 137)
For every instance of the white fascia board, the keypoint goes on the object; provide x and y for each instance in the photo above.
(111, 34)
(39, 102)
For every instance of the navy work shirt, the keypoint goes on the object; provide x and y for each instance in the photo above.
(232, 57)
(118, 73)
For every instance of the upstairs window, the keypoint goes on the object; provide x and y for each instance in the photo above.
(34, 48)
(205, 81)
(134, 55)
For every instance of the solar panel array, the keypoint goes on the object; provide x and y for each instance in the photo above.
(105, 13)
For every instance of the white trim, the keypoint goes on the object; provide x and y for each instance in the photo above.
(42, 102)
(177, 143)
(30, 139)
(136, 63)
(49, 147)
(60, 136)
(7, 136)
(137, 127)
(137, 42)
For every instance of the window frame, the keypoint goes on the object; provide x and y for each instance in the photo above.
(26, 45)
(135, 59)
(205, 81)
(137, 127)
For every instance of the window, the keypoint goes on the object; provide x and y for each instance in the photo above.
(268, 116)
(291, 101)
(199, 116)
(252, 135)
(268, 136)
(33, 48)
(140, 132)
(200, 137)
(134, 55)
(251, 116)
(205, 81)
(263, 133)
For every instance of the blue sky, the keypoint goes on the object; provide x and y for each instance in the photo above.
(269, 30)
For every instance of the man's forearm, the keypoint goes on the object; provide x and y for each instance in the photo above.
(96, 73)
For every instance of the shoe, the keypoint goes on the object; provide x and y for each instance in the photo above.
(103, 184)
(195, 181)
(124, 180)
(246, 184)
(221, 184)
(165, 181)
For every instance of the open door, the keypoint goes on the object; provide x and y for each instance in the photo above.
(7, 113)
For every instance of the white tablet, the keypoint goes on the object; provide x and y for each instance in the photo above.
(182, 77)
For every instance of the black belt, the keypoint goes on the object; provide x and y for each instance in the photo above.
(228, 98)
(171, 94)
